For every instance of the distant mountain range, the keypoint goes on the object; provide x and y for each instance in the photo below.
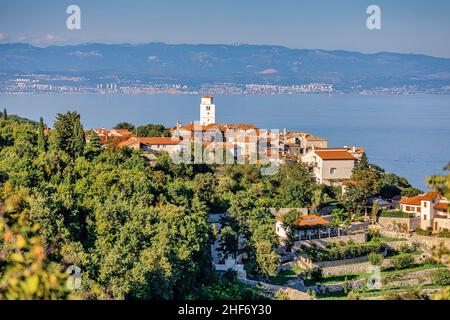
(238, 64)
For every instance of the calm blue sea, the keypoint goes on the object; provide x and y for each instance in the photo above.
(408, 135)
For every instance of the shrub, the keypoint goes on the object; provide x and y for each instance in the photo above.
(441, 277)
(374, 233)
(395, 214)
(422, 232)
(346, 251)
(444, 233)
(281, 295)
(375, 259)
(429, 260)
(405, 248)
(403, 261)
(315, 274)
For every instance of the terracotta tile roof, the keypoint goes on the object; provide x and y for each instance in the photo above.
(127, 143)
(159, 140)
(123, 132)
(350, 183)
(311, 221)
(442, 206)
(334, 155)
(150, 141)
(112, 132)
(219, 145)
(207, 97)
(311, 137)
(415, 201)
(430, 195)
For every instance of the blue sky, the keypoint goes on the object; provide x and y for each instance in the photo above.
(408, 26)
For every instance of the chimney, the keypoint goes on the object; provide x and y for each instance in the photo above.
(354, 149)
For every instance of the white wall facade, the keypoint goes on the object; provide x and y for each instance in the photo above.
(207, 111)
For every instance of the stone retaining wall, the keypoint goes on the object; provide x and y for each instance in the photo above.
(424, 241)
(429, 241)
(360, 237)
(338, 267)
(399, 224)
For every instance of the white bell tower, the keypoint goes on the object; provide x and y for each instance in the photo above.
(207, 111)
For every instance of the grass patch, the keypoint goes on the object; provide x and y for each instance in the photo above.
(284, 276)
(420, 267)
(375, 293)
(334, 279)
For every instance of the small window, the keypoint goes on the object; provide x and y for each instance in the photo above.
(332, 170)
(208, 108)
(424, 204)
(424, 217)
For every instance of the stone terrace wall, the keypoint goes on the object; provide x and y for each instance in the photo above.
(392, 224)
(327, 265)
(429, 242)
(426, 242)
(360, 237)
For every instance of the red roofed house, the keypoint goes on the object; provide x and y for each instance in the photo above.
(114, 135)
(308, 227)
(432, 209)
(157, 144)
(331, 164)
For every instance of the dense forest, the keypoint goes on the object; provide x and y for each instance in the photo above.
(140, 231)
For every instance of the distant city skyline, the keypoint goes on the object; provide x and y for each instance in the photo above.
(414, 26)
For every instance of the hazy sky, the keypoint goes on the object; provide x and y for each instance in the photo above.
(412, 26)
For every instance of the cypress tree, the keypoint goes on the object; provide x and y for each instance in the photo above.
(69, 135)
(42, 139)
(5, 114)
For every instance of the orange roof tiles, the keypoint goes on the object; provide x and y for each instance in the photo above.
(415, 201)
(311, 137)
(311, 221)
(442, 206)
(335, 155)
(150, 141)
(159, 140)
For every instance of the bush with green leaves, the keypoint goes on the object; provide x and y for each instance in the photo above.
(314, 274)
(375, 259)
(346, 251)
(374, 233)
(423, 232)
(441, 277)
(444, 233)
(403, 261)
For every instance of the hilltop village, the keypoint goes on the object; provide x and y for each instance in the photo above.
(395, 228)
(210, 210)
(245, 143)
